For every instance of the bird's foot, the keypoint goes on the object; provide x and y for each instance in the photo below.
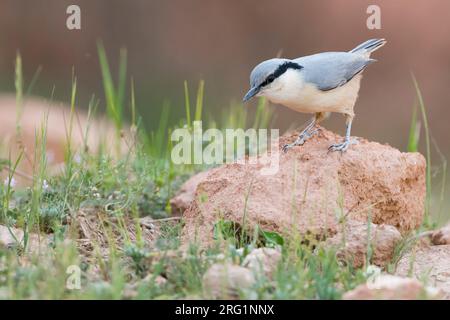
(300, 140)
(342, 147)
(286, 147)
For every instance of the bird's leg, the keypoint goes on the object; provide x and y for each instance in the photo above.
(344, 145)
(307, 133)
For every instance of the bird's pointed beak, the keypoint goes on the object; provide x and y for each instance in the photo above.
(251, 93)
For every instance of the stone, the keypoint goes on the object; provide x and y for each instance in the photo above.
(431, 262)
(225, 281)
(351, 243)
(389, 287)
(441, 236)
(263, 261)
(312, 191)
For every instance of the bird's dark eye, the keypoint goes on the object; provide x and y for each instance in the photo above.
(268, 80)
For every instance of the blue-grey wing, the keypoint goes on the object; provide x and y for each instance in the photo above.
(329, 70)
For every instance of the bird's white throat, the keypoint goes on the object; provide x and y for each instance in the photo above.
(286, 88)
(291, 91)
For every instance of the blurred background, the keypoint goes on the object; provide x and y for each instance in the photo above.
(221, 41)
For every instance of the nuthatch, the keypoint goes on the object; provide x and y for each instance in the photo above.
(320, 83)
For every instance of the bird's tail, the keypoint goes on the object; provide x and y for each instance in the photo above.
(369, 46)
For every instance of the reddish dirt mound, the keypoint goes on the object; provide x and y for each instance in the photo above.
(312, 190)
(186, 194)
(35, 113)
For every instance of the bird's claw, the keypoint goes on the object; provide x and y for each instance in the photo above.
(286, 147)
(306, 135)
(300, 140)
(342, 147)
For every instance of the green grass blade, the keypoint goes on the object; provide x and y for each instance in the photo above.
(414, 132)
(133, 104)
(187, 104)
(199, 104)
(33, 81)
(19, 90)
(121, 87)
(427, 145)
(159, 138)
(108, 85)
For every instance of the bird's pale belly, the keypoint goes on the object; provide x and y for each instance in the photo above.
(309, 99)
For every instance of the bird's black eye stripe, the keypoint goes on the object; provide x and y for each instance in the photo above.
(279, 71)
(271, 78)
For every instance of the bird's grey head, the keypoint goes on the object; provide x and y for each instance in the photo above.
(265, 74)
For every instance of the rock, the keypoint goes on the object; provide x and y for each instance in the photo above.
(351, 243)
(158, 281)
(224, 281)
(441, 236)
(8, 241)
(432, 262)
(233, 258)
(389, 287)
(263, 261)
(185, 195)
(129, 291)
(312, 190)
